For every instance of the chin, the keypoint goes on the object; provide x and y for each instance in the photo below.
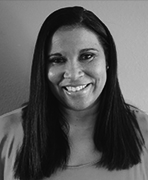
(82, 107)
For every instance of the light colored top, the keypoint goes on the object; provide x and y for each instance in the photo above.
(11, 136)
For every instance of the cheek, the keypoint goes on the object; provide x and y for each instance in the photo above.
(98, 69)
(103, 78)
(54, 75)
(100, 75)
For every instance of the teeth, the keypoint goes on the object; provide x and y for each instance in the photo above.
(74, 89)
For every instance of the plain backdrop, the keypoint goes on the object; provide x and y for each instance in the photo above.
(20, 22)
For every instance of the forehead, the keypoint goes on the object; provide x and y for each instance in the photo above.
(78, 37)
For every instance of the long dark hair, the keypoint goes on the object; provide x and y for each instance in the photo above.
(45, 146)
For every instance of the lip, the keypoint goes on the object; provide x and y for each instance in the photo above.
(81, 92)
(75, 85)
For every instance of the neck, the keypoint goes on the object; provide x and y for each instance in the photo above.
(81, 119)
(81, 124)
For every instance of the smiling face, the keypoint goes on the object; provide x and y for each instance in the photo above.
(77, 67)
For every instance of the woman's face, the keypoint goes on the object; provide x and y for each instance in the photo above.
(77, 67)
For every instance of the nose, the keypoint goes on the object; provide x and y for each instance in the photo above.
(73, 70)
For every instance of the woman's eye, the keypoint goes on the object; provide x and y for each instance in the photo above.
(88, 56)
(57, 60)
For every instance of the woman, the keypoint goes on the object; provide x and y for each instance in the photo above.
(76, 124)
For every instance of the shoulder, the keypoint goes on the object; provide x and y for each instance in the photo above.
(11, 138)
(10, 122)
(142, 119)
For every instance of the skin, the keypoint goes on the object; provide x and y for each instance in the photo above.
(76, 57)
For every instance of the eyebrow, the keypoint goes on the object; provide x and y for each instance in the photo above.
(55, 54)
(88, 49)
(81, 51)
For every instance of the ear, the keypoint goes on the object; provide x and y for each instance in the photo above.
(107, 66)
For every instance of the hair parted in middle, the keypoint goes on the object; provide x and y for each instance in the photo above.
(45, 145)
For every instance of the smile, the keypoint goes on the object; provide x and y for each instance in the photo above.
(75, 89)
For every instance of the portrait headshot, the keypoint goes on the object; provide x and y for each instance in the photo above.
(74, 90)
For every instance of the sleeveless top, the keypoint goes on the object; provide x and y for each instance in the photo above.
(11, 137)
